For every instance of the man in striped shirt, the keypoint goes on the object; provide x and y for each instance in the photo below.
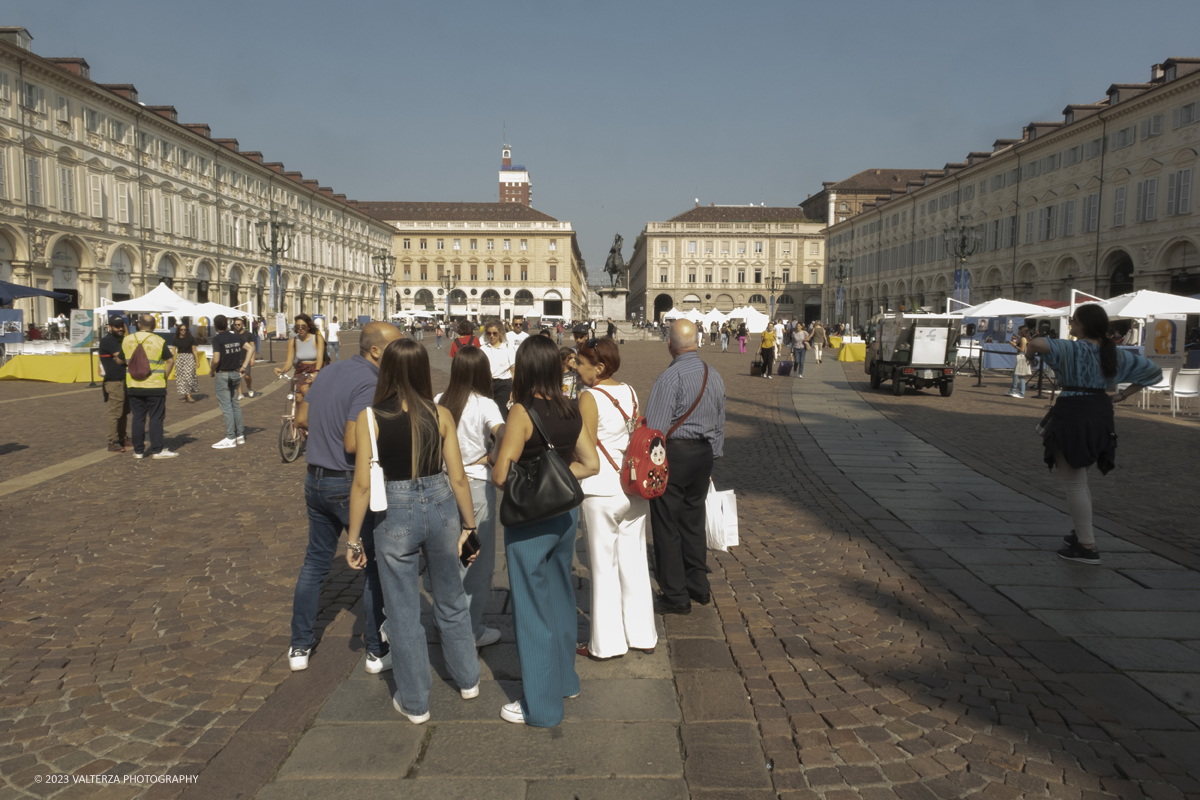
(688, 404)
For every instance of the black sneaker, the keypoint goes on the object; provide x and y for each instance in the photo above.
(1080, 554)
(1072, 539)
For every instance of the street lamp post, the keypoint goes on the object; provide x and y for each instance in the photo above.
(384, 265)
(276, 240)
(449, 283)
(839, 299)
(774, 283)
(963, 241)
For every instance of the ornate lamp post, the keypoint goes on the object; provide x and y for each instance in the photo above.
(276, 239)
(962, 241)
(774, 284)
(384, 265)
(449, 283)
(841, 274)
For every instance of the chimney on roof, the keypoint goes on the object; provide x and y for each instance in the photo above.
(877, 172)
(18, 36)
(199, 128)
(232, 144)
(126, 90)
(253, 155)
(76, 66)
(1156, 72)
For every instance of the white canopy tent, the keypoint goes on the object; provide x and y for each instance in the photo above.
(756, 321)
(714, 316)
(674, 313)
(209, 311)
(1001, 308)
(1145, 303)
(694, 315)
(159, 300)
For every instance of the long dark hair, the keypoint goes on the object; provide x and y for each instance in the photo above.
(538, 370)
(470, 372)
(1094, 321)
(404, 377)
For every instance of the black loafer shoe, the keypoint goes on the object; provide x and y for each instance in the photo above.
(661, 606)
(702, 599)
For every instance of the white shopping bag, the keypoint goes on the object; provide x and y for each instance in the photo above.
(720, 519)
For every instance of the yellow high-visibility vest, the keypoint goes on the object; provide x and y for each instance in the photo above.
(156, 350)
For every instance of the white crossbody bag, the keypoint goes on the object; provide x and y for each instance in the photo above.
(378, 485)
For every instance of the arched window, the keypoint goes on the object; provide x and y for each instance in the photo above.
(757, 298)
(490, 298)
(423, 297)
(523, 298)
(786, 300)
(458, 297)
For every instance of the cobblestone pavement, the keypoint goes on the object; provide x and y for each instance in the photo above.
(141, 637)
(1152, 490)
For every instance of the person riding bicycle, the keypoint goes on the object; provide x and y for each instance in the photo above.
(306, 352)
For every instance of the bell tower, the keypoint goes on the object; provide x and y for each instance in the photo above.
(515, 186)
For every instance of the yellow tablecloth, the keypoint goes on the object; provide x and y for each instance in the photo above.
(853, 352)
(835, 342)
(67, 368)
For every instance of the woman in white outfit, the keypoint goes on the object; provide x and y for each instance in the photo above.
(477, 418)
(622, 602)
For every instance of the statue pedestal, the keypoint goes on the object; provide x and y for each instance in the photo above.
(613, 300)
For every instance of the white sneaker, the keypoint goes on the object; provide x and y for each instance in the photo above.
(298, 658)
(240, 398)
(224, 444)
(470, 694)
(240, 440)
(165, 453)
(139, 455)
(415, 719)
(377, 664)
(511, 712)
(490, 636)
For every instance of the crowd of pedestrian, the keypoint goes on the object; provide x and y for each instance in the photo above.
(514, 399)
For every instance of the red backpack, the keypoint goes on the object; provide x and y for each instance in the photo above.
(645, 471)
(139, 362)
(457, 343)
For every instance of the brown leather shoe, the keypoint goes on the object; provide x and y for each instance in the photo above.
(116, 448)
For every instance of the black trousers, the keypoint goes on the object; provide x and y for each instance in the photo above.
(155, 409)
(677, 521)
(500, 393)
(768, 358)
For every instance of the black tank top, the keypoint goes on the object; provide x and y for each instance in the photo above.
(564, 433)
(395, 445)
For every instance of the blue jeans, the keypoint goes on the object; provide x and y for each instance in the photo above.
(724, 342)
(423, 517)
(328, 502)
(1018, 381)
(798, 355)
(337, 350)
(231, 409)
(477, 578)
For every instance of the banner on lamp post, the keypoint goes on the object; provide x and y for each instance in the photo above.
(841, 295)
(273, 300)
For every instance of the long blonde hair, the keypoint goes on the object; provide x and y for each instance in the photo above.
(404, 375)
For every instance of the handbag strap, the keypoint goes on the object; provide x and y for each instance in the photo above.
(618, 405)
(537, 423)
(371, 428)
(684, 418)
(600, 444)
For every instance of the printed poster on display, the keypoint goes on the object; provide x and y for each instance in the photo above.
(83, 329)
(1165, 340)
(12, 326)
(320, 320)
(281, 326)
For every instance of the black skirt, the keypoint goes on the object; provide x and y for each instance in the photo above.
(1083, 428)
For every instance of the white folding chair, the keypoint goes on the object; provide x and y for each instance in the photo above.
(1187, 384)
(1159, 389)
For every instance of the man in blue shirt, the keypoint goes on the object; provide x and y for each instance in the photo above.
(687, 403)
(329, 411)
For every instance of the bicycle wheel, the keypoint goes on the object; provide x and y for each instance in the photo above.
(289, 441)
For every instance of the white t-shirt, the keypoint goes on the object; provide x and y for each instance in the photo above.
(501, 357)
(515, 338)
(334, 328)
(479, 417)
(778, 331)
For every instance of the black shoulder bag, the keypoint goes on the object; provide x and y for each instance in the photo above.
(540, 488)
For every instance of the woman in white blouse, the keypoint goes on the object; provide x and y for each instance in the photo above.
(622, 603)
(477, 417)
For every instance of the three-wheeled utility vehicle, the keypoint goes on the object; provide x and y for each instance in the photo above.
(917, 350)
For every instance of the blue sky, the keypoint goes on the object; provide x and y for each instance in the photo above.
(624, 112)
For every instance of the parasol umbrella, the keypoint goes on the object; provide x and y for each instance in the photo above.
(12, 291)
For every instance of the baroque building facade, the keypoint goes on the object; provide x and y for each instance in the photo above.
(724, 257)
(1100, 201)
(103, 197)
(491, 260)
(839, 200)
